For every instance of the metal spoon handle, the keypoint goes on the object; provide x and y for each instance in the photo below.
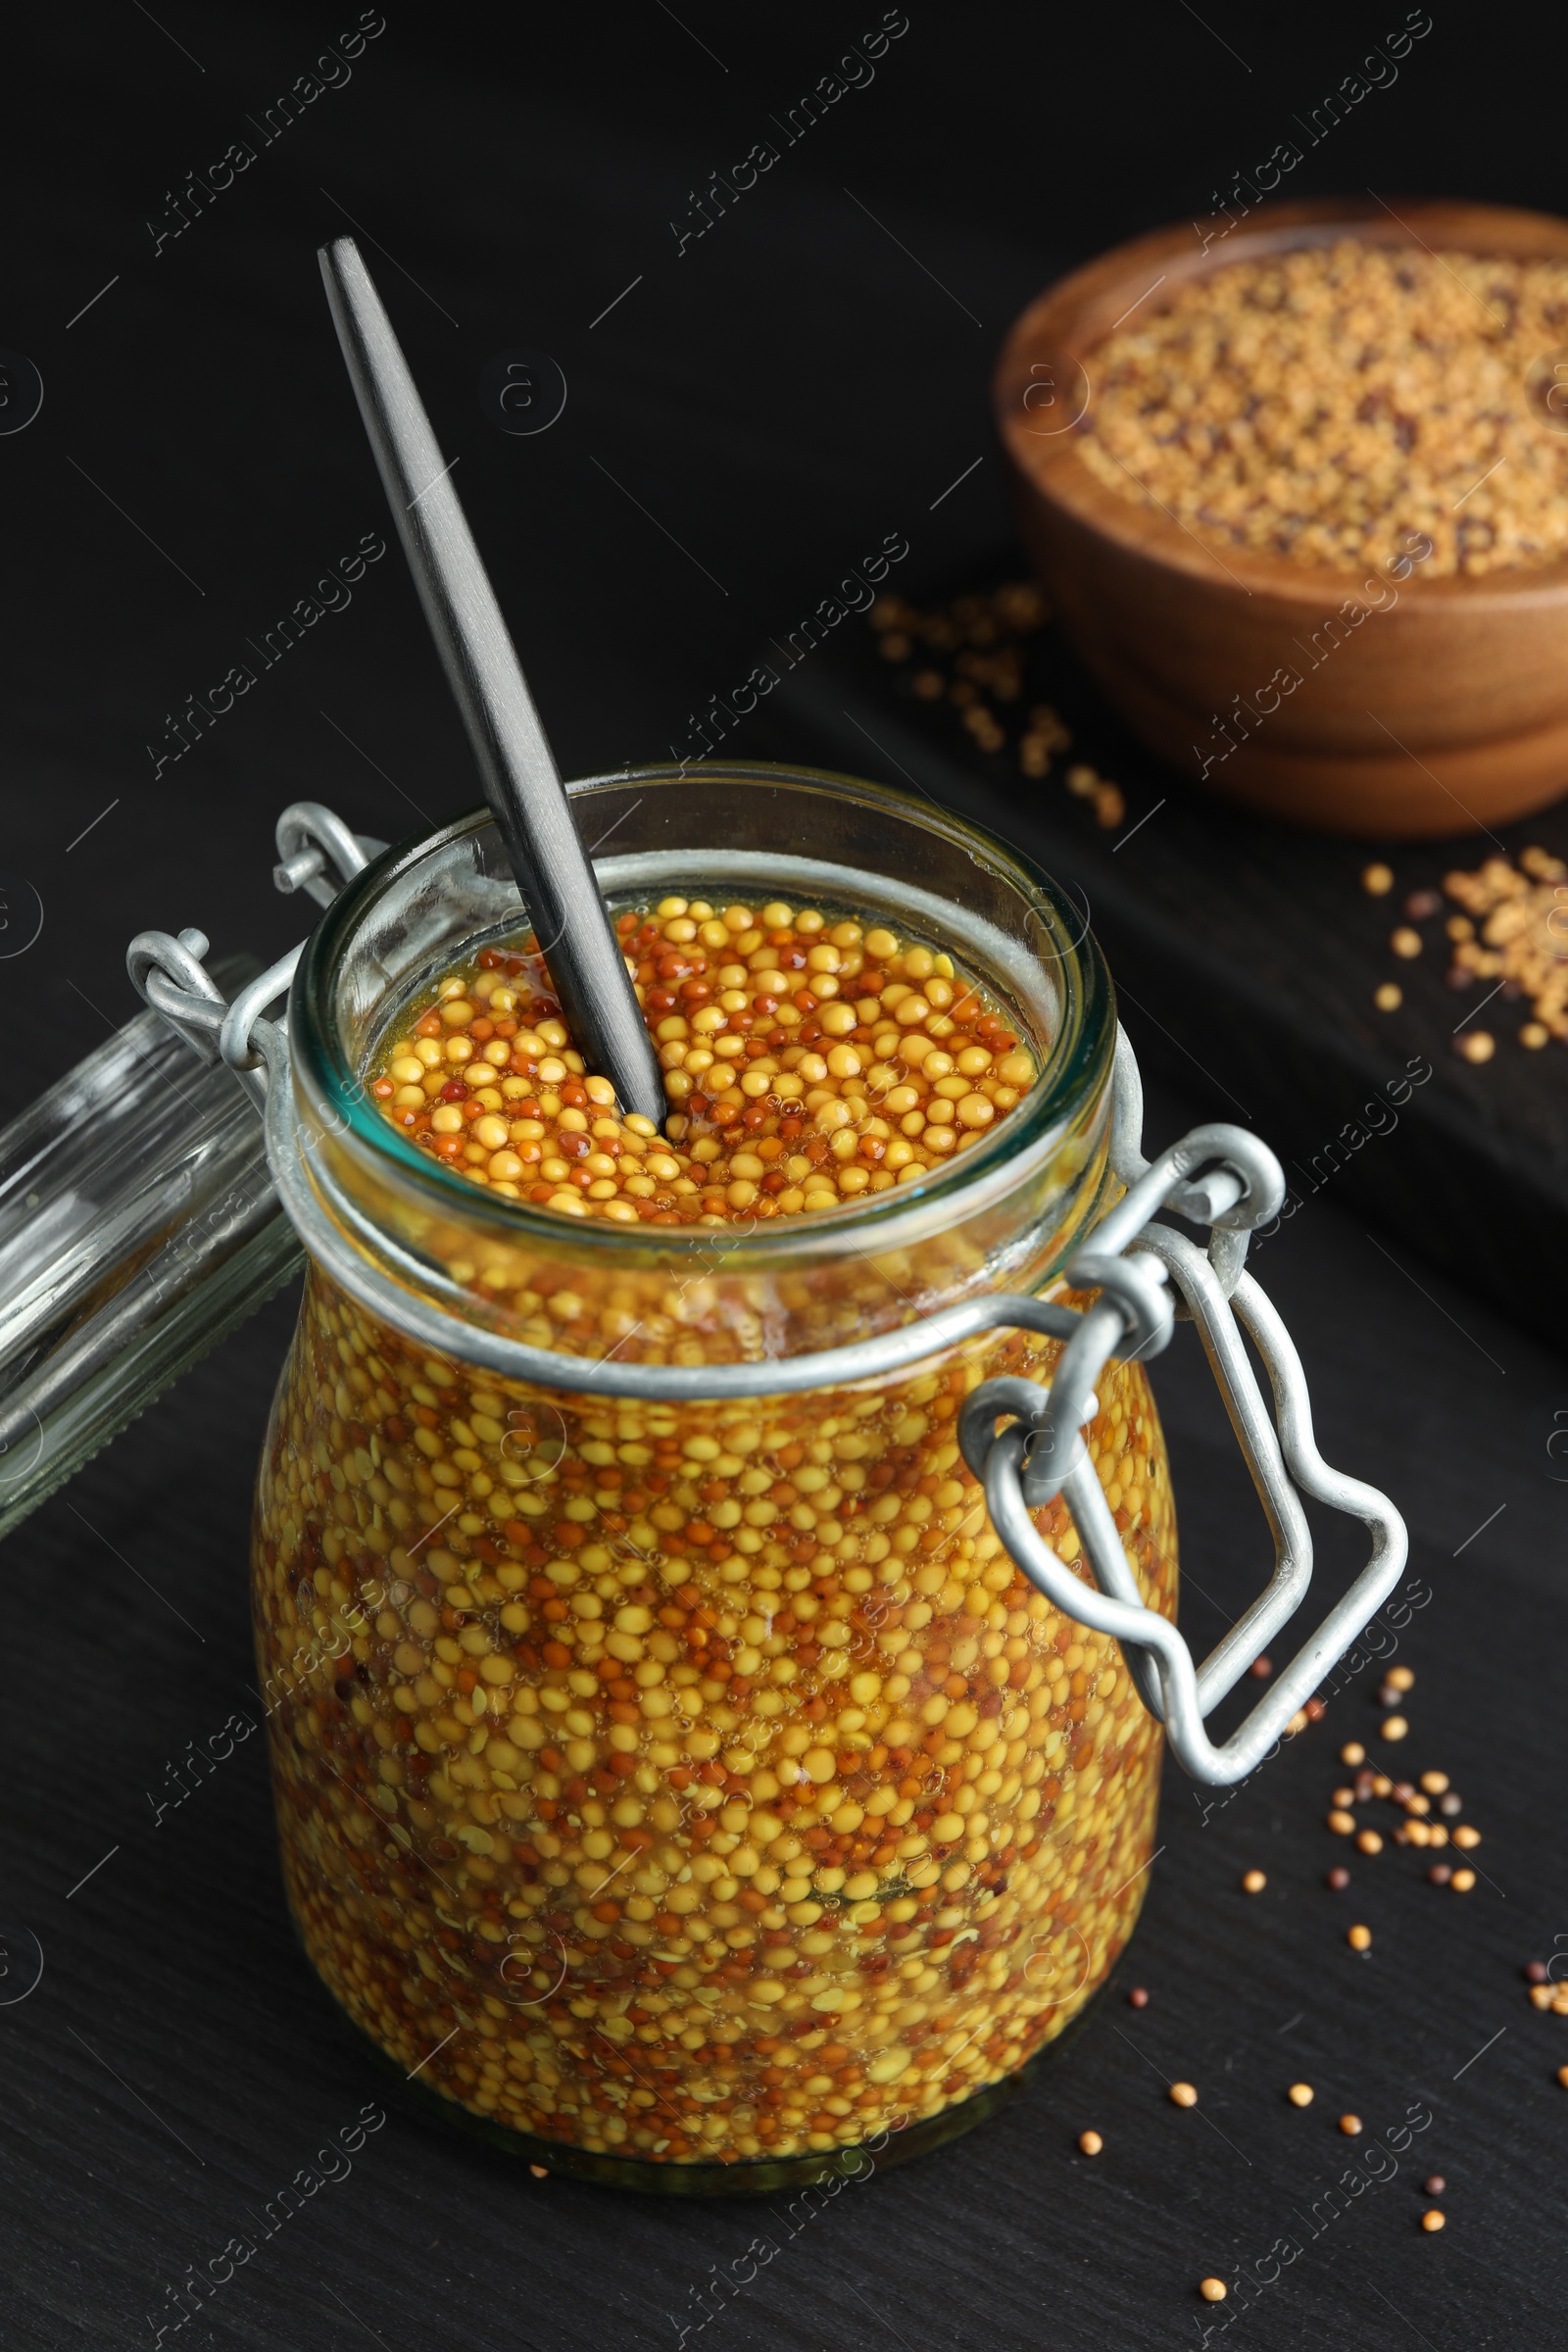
(516, 767)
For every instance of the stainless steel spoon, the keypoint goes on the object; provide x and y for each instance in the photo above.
(516, 766)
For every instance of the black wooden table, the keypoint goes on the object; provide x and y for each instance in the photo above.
(749, 412)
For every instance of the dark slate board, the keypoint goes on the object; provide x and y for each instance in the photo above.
(1247, 954)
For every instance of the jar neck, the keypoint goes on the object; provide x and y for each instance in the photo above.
(1005, 1215)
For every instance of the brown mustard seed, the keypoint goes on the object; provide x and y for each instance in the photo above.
(1339, 1879)
(1431, 2218)
(1434, 2186)
(1262, 1668)
(1440, 1873)
(1254, 1883)
(1183, 2094)
(1351, 2126)
(1536, 1972)
(1300, 2095)
(1090, 2142)
(1138, 1998)
(1562, 2076)
(540, 2171)
(1213, 2290)
(1352, 1753)
(1359, 1938)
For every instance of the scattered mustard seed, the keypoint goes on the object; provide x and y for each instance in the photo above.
(1400, 1678)
(1394, 1728)
(1391, 996)
(1183, 2094)
(1462, 1880)
(1352, 1753)
(1090, 2142)
(1300, 2095)
(1351, 2126)
(1254, 1883)
(1433, 2186)
(1369, 1842)
(1138, 1998)
(1431, 2218)
(1359, 1938)
(1213, 2290)
(1406, 942)
(1376, 880)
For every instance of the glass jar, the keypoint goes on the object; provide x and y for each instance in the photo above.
(686, 1791)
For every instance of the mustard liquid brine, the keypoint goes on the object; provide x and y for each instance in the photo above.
(699, 1785)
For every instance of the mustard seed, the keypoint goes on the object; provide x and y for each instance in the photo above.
(1359, 1938)
(1254, 1883)
(1328, 403)
(1400, 1677)
(1351, 2126)
(1300, 2095)
(1352, 1753)
(1431, 2218)
(1213, 2290)
(1434, 2186)
(1462, 1880)
(1376, 880)
(1394, 1728)
(1388, 997)
(1562, 2076)
(1090, 2142)
(1138, 1998)
(800, 1074)
(1339, 1879)
(1183, 2094)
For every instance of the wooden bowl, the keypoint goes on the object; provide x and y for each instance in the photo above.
(1440, 712)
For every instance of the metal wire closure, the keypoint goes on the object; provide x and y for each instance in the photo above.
(1021, 1438)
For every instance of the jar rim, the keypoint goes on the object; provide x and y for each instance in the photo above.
(1076, 1065)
